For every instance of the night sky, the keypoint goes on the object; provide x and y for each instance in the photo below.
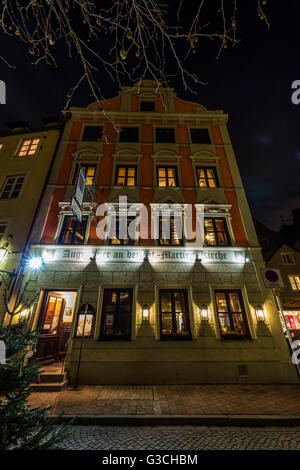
(251, 82)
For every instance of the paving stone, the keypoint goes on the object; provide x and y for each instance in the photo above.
(182, 438)
(174, 400)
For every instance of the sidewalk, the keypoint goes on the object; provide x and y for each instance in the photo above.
(180, 404)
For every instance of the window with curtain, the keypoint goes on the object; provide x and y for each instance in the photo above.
(207, 178)
(231, 314)
(167, 176)
(72, 232)
(116, 314)
(126, 175)
(174, 314)
(88, 170)
(119, 231)
(170, 230)
(216, 232)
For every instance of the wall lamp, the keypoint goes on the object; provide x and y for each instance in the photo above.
(260, 313)
(204, 312)
(146, 311)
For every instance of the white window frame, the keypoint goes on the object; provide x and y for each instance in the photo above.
(292, 280)
(284, 255)
(3, 186)
(31, 139)
(63, 213)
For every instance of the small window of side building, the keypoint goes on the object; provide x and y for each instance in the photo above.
(287, 258)
(12, 187)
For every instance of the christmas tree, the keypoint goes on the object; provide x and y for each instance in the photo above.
(22, 426)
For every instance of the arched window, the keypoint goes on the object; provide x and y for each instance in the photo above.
(85, 321)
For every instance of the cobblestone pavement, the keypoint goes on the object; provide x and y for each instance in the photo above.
(174, 400)
(182, 438)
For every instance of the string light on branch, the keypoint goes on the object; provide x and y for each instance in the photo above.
(158, 32)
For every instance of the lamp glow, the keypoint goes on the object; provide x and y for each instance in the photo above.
(260, 313)
(36, 263)
(145, 313)
(204, 312)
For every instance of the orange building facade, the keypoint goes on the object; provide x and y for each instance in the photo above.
(156, 308)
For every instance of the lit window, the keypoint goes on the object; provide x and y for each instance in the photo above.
(216, 232)
(125, 176)
(92, 133)
(166, 176)
(72, 232)
(89, 171)
(116, 314)
(200, 136)
(2, 230)
(53, 314)
(28, 147)
(170, 230)
(292, 319)
(231, 314)
(12, 187)
(165, 134)
(1, 146)
(120, 233)
(295, 282)
(207, 178)
(174, 314)
(129, 134)
(287, 258)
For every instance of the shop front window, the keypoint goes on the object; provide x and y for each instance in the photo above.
(85, 321)
(231, 314)
(292, 320)
(174, 314)
(116, 314)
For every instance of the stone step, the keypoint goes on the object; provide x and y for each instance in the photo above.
(53, 377)
(48, 387)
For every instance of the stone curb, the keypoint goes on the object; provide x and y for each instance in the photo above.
(180, 420)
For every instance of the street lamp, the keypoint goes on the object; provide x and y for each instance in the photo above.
(36, 262)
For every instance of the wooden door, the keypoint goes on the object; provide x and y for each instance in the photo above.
(50, 325)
